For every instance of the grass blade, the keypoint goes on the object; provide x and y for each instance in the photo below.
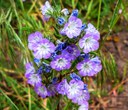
(98, 21)
(9, 100)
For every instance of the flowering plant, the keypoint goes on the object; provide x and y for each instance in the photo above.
(61, 63)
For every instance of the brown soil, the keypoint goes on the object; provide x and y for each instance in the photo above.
(117, 45)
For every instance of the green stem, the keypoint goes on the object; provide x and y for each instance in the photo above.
(29, 95)
(112, 23)
(98, 21)
(9, 99)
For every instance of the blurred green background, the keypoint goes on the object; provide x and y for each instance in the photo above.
(20, 18)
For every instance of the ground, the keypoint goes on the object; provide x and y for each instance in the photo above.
(117, 45)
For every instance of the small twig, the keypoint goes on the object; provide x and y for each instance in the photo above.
(116, 87)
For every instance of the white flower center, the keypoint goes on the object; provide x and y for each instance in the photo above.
(31, 70)
(61, 62)
(86, 67)
(89, 42)
(36, 38)
(73, 89)
(34, 78)
(44, 48)
(41, 90)
(72, 26)
(74, 86)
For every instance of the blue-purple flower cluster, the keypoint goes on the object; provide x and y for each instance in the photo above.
(73, 53)
(75, 90)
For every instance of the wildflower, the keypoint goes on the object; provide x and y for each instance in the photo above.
(75, 76)
(29, 69)
(88, 43)
(72, 28)
(33, 39)
(75, 88)
(62, 87)
(74, 13)
(60, 63)
(47, 10)
(96, 60)
(71, 51)
(65, 11)
(43, 49)
(41, 90)
(63, 56)
(61, 20)
(84, 106)
(89, 67)
(34, 79)
(98, 65)
(82, 98)
(91, 30)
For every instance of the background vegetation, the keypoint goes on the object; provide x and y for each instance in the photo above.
(20, 18)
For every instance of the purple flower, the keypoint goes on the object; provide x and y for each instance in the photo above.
(52, 89)
(62, 87)
(33, 39)
(81, 98)
(89, 67)
(71, 51)
(34, 79)
(46, 10)
(29, 69)
(75, 76)
(98, 65)
(96, 60)
(72, 28)
(84, 106)
(92, 30)
(43, 49)
(88, 43)
(75, 88)
(74, 13)
(41, 90)
(60, 63)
